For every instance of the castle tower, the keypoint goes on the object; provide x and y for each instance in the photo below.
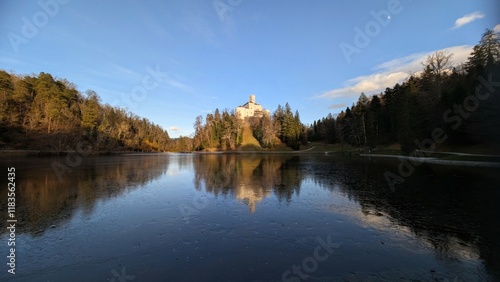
(252, 98)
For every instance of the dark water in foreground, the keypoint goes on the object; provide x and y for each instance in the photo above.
(250, 218)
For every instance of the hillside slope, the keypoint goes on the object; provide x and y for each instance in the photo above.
(249, 143)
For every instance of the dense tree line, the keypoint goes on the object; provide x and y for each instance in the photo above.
(458, 104)
(40, 112)
(265, 130)
(289, 128)
(218, 131)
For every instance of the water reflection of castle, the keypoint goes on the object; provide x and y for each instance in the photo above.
(250, 195)
(250, 189)
(250, 178)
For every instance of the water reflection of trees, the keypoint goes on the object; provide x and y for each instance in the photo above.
(456, 211)
(249, 178)
(43, 200)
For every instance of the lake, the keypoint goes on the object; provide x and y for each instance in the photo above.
(249, 217)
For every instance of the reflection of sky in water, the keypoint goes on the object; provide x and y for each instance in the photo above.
(374, 219)
(245, 217)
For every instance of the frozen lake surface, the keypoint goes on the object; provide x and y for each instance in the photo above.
(238, 217)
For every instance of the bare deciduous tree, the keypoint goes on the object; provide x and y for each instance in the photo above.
(438, 64)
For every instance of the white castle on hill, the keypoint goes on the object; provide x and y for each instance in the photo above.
(251, 109)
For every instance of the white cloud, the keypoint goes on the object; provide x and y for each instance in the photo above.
(174, 128)
(496, 29)
(468, 19)
(391, 72)
(368, 84)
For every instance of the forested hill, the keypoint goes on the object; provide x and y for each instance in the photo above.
(43, 113)
(444, 104)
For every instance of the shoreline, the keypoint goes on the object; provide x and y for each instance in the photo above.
(41, 153)
(444, 158)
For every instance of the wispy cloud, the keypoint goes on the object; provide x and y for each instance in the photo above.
(468, 19)
(496, 29)
(226, 13)
(153, 25)
(337, 106)
(172, 81)
(199, 21)
(88, 20)
(165, 78)
(124, 71)
(175, 128)
(196, 23)
(413, 62)
(391, 72)
(104, 92)
(6, 60)
(97, 72)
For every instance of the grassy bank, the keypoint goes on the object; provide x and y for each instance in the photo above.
(479, 153)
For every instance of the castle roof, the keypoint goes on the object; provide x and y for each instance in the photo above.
(246, 104)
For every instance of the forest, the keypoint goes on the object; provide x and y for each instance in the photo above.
(47, 114)
(455, 105)
(459, 104)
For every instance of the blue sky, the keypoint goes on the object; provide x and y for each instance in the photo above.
(170, 61)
